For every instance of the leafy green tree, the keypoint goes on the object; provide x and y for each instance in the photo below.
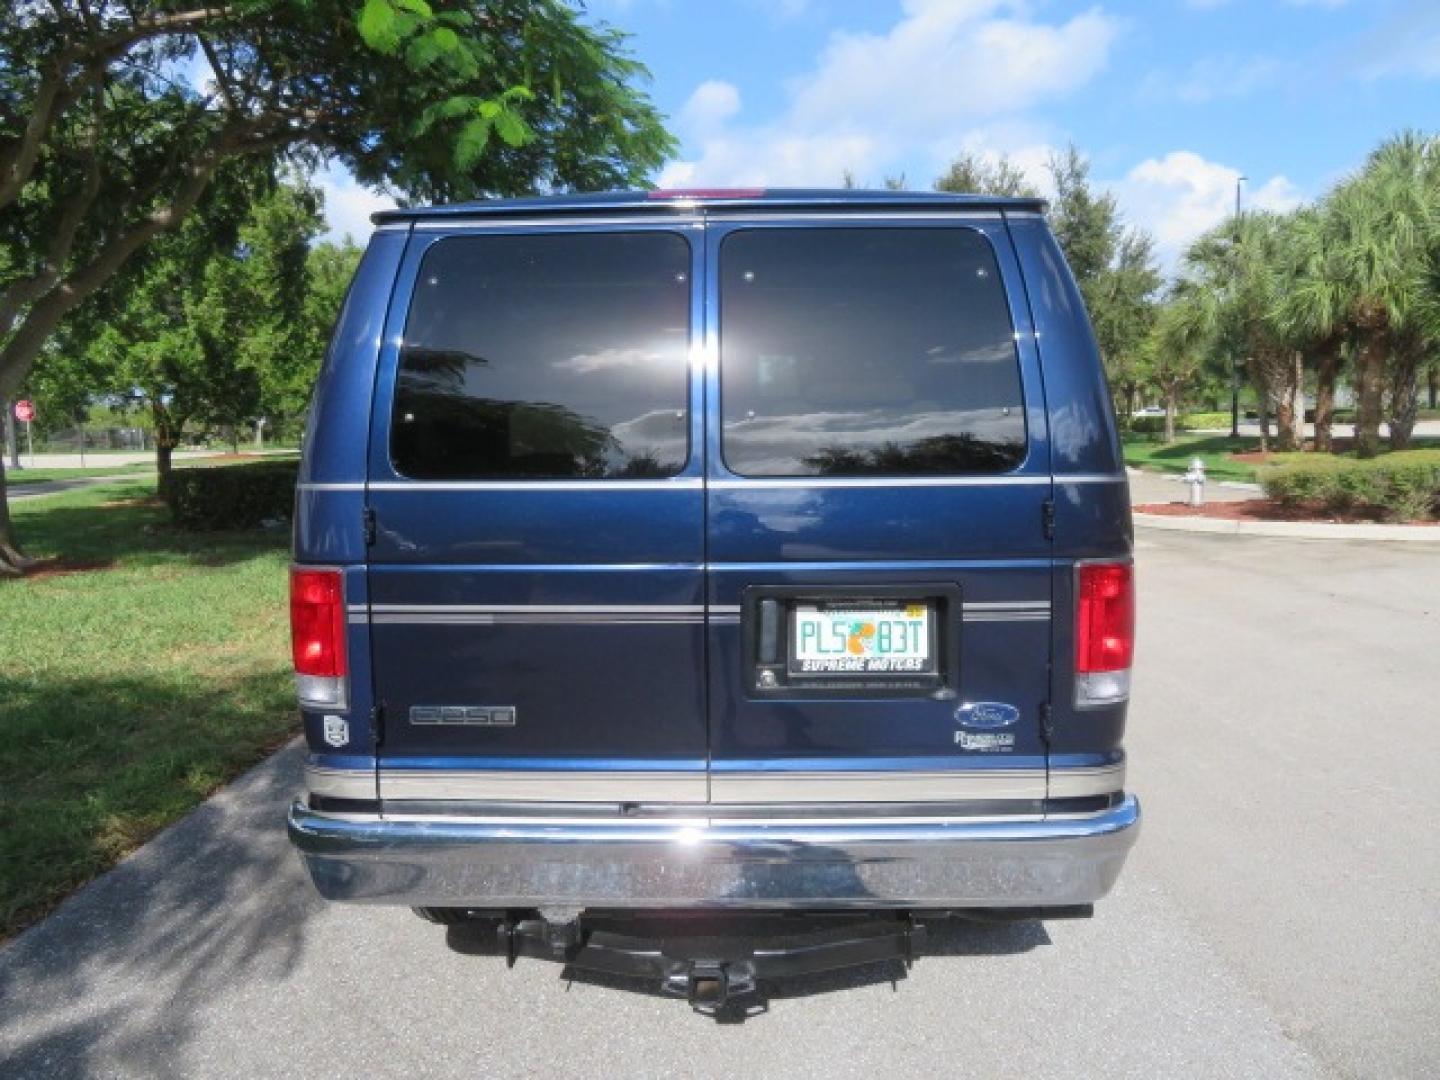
(1175, 352)
(329, 270)
(212, 328)
(105, 145)
(971, 173)
(256, 300)
(1115, 268)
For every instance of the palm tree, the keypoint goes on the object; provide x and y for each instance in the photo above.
(1386, 224)
(1235, 264)
(1184, 331)
(1309, 298)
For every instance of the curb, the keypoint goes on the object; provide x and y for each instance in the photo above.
(1293, 530)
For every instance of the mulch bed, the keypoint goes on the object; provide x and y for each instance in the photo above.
(1266, 510)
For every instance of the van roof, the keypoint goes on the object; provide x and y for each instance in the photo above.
(671, 199)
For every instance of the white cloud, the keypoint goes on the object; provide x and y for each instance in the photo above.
(712, 103)
(945, 67)
(1179, 196)
(348, 206)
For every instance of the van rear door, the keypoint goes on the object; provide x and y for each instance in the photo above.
(879, 568)
(536, 582)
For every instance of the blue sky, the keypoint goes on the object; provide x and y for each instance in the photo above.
(1172, 100)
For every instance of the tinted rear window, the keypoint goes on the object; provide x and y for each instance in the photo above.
(546, 356)
(866, 352)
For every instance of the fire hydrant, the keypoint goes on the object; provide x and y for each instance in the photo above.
(1195, 477)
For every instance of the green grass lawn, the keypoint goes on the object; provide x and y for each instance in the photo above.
(18, 477)
(128, 693)
(1143, 452)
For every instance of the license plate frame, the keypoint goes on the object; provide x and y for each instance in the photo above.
(842, 637)
(768, 618)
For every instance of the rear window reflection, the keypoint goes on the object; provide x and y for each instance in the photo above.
(546, 357)
(866, 352)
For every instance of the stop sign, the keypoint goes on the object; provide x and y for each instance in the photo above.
(24, 411)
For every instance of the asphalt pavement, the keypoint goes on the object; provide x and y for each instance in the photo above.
(1278, 917)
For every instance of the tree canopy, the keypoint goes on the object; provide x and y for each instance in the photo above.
(117, 118)
(1355, 276)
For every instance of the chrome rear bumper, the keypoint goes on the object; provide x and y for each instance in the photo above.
(535, 863)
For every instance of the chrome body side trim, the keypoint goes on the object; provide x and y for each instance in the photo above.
(895, 786)
(802, 864)
(546, 785)
(1078, 782)
(650, 615)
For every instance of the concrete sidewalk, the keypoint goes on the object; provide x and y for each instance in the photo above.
(1153, 487)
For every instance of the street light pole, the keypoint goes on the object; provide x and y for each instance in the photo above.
(1235, 363)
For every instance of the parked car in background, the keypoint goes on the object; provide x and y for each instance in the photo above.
(763, 553)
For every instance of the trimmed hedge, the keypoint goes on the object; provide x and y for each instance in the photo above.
(1206, 420)
(232, 497)
(1403, 486)
(1155, 425)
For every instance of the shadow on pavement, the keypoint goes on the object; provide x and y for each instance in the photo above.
(948, 939)
(116, 980)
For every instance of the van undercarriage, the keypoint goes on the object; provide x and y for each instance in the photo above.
(717, 961)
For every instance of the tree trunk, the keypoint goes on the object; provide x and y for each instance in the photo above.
(1404, 393)
(1369, 392)
(164, 466)
(1171, 404)
(167, 437)
(1295, 392)
(1327, 370)
(13, 562)
(1432, 384)
(11, 447)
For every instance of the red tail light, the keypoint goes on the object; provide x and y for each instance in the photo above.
(317, 622)
(1105, 631)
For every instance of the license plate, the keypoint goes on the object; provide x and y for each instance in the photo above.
(861, 638)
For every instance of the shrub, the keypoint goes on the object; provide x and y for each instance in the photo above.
(1147, 425)
(1403, 486)
(1206, 421)
(232, 496)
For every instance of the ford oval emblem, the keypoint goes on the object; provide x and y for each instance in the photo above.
(986, 714)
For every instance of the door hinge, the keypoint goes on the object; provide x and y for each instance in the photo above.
(1047, 518)
(1047, 726)
(367, 519)
(377, 723)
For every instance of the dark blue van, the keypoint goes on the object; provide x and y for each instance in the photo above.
(745, 551)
